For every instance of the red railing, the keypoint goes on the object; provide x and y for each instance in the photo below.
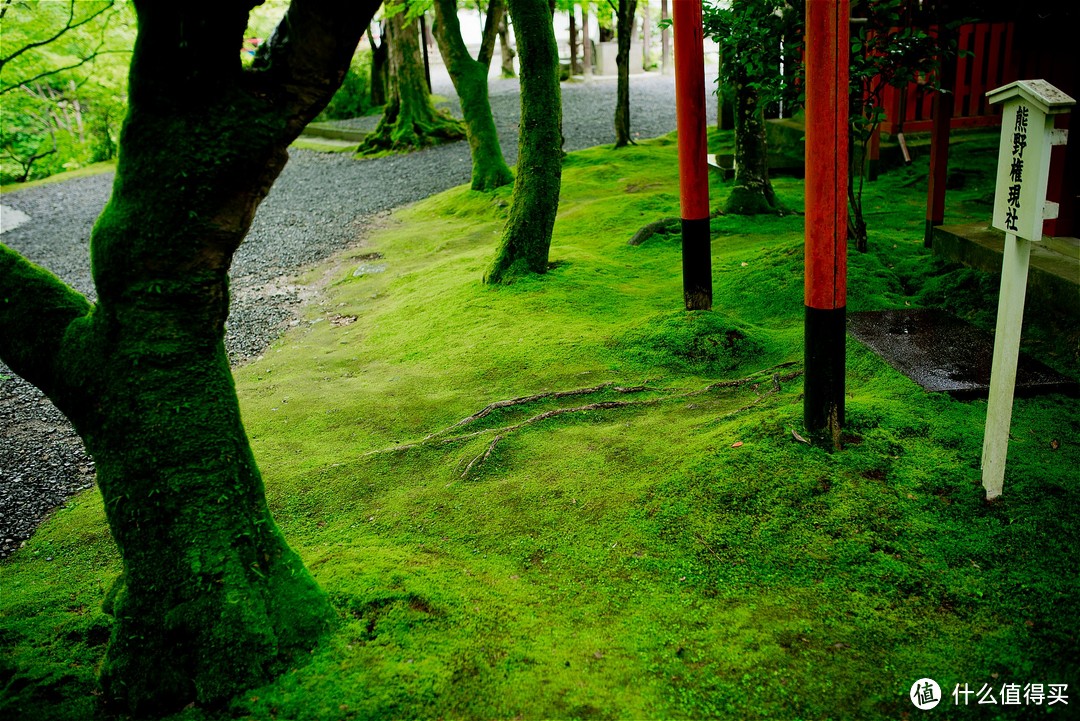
(986, 62)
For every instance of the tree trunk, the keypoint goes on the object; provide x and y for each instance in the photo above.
(489, 168)
(380, 68)
(586, 43)
(665, 41)
(646, 37)
(409, 119)
(507, 52)
(627, 10)
(575, 69)
(752, 193)
(211, 600)
(526, 238)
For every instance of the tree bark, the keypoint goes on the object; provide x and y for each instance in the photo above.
(665, 41)
(211, 600)
(646, 37)
(586, 43)
(526, 238)
(409, 119)
(627, 9)
(507, 52)
(470, 77)
(752, 193)
(575, 68)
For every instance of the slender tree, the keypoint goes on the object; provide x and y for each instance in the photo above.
(748, 34)
(211, 600)
(506, 51)
(470, 77)
(526, 238)
(625, 14)
(410, 120)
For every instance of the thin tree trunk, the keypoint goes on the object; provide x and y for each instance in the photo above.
(665, 41)
(506, 51)
(752, 192)
(470, 77)
(646, 38)
(526, 239)
(627, 10)
(574, 67)
(586, 42)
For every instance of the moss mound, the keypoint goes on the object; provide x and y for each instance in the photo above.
(701, 342)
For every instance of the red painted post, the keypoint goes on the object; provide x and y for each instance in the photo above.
(693, 167)
(827, 50)
(939, 142)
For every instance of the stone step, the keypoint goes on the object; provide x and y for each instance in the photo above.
(1054, 274)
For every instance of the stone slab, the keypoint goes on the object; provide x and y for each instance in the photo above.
(943, 353)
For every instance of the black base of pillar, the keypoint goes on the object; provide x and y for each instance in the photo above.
(696, 264)
(928, 236)
(823, 383)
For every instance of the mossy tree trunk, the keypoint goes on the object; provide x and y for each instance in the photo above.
(506, 51)
(627, 13)
(489, 168)
(752, 193)
(526, 238)
(211, 600)
(409, 119)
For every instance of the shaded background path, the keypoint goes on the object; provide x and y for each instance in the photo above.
(321, 204)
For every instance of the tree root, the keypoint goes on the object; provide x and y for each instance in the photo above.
(441, 436)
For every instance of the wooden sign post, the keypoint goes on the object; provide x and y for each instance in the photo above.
(1027, 133)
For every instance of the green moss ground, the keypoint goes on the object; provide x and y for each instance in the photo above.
(683, 556)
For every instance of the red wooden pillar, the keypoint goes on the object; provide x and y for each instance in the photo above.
(693, 167)
(827, 49)
(944, 101)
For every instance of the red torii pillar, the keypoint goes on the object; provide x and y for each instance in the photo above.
(827, 49)
(693, 167)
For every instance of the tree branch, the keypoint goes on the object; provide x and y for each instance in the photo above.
(36, 310)
(496, 8)
(92, 56)
(309, 53)
(59, 33)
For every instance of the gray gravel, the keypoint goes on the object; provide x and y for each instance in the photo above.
(319, 205)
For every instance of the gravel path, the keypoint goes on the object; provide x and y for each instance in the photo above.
(320, 204)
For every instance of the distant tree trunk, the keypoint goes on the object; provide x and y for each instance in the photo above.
(489, 169)
(626, 14)
(409, 119)
(586, 42)
(211, 600)
(646, 37)
(505, 50)
(526, 239)
(752, 193)
(665, 41)
(380, 67)
(575, 68)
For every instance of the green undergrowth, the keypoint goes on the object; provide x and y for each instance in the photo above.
(106, 166)
(658, 544)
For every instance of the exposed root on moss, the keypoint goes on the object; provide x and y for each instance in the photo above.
(538, 397)
(441, 436)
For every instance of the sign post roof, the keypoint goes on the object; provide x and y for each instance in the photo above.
(1038, 93)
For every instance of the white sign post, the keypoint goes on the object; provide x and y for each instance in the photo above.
(1027, 134)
